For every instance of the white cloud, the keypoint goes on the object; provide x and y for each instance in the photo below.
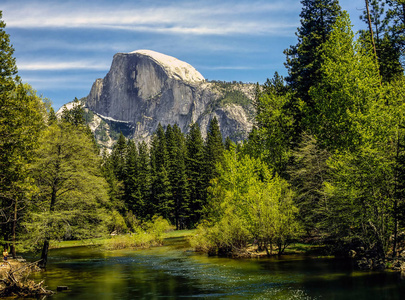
(61, 65)
(198, 18)
(59, 81)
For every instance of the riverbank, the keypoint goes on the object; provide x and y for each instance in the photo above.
(14, 280)
(97, 242)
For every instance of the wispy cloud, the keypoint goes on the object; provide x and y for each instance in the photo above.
(61, 65)
(184, 18)
(59, 81)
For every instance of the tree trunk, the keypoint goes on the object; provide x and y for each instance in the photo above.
(370, 28)
(12, 247)
(44, 255)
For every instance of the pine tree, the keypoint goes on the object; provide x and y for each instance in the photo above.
(229, 144)
(131, 180)
(214, 149)
(118, 157)
(74, 115)
(305, 58)
(195, 168)
(387, 51)
(179, 180)
(396, 19)
(144, 181)
(160, 187)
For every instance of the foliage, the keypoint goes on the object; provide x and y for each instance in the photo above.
(247, 203)
(387, 50)
(147, 234)
(305, 58)
(22, 117)
(71, 194)
(307, 176)
(350, 83)
(195, 166)
(361, 124)
(272, 140)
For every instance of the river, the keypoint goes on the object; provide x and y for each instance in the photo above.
(175, 272)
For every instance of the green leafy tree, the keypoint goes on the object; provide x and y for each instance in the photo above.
(247, 203)
(71, 194)
(361, 124)
(350, 83)
(21, 120)
(274, 135)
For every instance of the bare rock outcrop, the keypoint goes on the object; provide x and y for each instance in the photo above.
(145, 88)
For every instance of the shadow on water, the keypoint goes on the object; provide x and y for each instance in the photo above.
(173, 272)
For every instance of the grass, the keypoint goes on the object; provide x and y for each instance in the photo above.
(180, 233)
(123, 241)
(77, 243)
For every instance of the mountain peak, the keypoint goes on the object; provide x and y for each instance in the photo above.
(174, 67)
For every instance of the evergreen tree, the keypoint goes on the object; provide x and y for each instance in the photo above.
(214, 149)
(118, 157)
(308, 175)
(8, 67)
(52, 116)
(195, 168)
(131, 179)
(161, 189)
(359, 123)
(74, 115)
(229, 144)
(178, 176)
(396, 19)
(144, 179)
(387, 51)
(305, 58)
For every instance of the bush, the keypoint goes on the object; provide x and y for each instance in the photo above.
(147, 235)
(157, 227)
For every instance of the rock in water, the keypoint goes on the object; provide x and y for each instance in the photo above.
(144, 88)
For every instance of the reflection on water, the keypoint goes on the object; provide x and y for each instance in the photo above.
(172, 272)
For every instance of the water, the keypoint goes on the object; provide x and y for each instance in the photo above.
(173, 272)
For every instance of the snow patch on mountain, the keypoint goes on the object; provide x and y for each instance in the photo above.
(174, 67)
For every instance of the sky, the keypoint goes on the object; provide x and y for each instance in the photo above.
(62, 47)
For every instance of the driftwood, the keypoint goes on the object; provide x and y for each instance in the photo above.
(16, 283)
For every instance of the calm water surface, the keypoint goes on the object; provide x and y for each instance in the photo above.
(173, 272)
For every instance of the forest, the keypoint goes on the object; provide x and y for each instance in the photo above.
(324, 163)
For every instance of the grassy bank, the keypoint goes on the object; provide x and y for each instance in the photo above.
(140, 240)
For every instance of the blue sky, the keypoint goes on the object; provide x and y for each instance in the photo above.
(62, 47)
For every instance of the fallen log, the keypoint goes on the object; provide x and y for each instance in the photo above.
(16, 282)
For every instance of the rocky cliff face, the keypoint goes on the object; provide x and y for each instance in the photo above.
(145, 88)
